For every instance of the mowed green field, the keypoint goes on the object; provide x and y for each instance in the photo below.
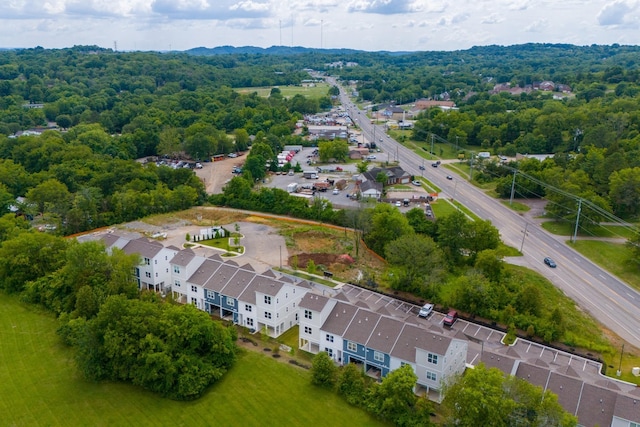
(39, 386)
(317, 91)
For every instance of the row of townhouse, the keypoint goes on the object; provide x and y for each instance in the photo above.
(258, 301)
(350, 333)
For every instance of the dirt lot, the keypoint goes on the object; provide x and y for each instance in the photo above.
(216, 174)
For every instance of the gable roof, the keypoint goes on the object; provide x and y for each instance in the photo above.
(238, 283)
(385, 334)
(144, 247)
(339, 318)
(204, 272)
(183, 258)
(221, 277)
(313, 302)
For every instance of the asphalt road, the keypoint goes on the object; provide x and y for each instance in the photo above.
(611, 301)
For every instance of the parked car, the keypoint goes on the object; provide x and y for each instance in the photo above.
(426, 310)
(450, 318)
(371, 157)
(449, 177)
(416, 183)
(551, 263)
(398, 204)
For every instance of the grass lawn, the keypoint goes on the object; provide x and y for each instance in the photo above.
(39, 386)
(318, 91)
(566, 228)
(516, 206)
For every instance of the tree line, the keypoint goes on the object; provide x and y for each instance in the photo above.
(117, 333)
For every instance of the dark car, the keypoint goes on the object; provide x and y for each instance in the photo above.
(421, 167)
(435, 165)
(450, 318)
(551, 263)
(449, 177)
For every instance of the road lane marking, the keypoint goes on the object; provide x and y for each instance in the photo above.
(631, 296)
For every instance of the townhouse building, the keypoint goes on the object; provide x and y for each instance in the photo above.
(153, 272)
(378, 342)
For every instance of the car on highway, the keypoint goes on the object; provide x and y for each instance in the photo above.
(426, 310)
(416, 183)
(449, 177)
(551, 263)
(435, 165)
(421, 167)
(450, 318)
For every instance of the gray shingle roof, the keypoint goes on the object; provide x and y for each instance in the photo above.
(144, 247)
(361, 326)
(339, 318)
(204, 272)
(183, 258)
(221, 277)
(313, 302)
(385, 334)
(238, 283)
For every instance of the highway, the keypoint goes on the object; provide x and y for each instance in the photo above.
(609, 300)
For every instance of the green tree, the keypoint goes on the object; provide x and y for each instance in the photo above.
(393, 400)
(323, 370)
(362, 166)
(417, 263)
(29, 256)
(351, 384)
(387, 224)
(50, 196)
(624, 191)
(174, 350)
(490, 264)
(483, 394)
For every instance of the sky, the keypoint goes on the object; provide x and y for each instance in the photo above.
(372, 25)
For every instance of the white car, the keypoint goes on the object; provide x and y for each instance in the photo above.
(426, 310)
(416, 183)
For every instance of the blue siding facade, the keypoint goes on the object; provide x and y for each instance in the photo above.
(360, 352)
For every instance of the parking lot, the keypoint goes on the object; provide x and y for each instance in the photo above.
(330, 172)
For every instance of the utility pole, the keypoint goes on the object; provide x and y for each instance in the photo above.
(471, 169)
(513, 186)
(524, 234)
(432, 138)
(575, 231)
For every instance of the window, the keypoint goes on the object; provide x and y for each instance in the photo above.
(147, 274)
(432, 358)
(296, 317)
(247, 307)
(329, 338)
(136, 272)
(156, 274)
(307, 330)
(267, 299)
(194, 288)
(351, 346)
(147, 261)
(249, 322)
(211, 294)
(155, 261)
(194, 301)
(231, 302)
(177, 283)
(267, 315)
(308, 314)
(176, 269)
(329, 351)
(431, 376)
(378, 357)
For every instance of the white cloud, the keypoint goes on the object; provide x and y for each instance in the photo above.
(618, 13)
(210, 9)
(387, 7)
(492, 19)
(537, 26)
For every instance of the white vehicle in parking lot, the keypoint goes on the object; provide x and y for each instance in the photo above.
(426, 310)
